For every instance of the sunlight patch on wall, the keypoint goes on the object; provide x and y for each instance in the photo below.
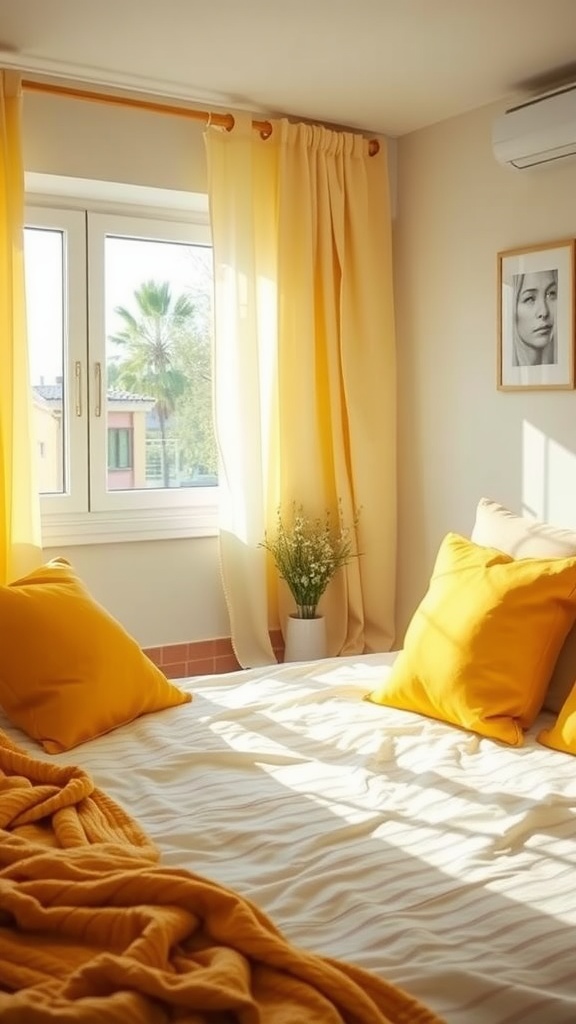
(548, 478)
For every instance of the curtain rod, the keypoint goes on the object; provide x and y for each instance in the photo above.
(221, 120)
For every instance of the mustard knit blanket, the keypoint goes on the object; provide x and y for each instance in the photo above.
(93, 929)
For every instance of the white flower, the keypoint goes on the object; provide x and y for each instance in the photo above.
(308, 554)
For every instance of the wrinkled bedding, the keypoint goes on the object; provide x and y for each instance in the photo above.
(92, 929)
(437, 860)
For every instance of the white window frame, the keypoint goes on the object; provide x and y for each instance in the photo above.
(71, 223)
(88, 513)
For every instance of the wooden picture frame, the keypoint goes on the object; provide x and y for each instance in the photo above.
(536, 325)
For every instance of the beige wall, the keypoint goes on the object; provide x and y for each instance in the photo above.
(461, 439)
(163, 592)
(93, 140)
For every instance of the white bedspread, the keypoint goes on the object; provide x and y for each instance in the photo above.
(443, 861)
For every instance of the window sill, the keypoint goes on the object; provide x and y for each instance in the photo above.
(123, 527)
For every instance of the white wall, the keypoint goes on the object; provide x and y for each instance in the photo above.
(461, 439)
(167, 591)
(163, 592)
(109, 143)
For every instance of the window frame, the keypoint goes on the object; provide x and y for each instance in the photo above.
(71, 223)
(68, 518)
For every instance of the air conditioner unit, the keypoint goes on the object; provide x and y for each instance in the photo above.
(539, 131)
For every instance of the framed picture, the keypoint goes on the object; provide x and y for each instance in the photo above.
(536, 317)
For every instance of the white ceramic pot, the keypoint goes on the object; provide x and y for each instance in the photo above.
(305, 639)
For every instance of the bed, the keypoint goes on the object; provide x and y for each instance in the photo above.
(440, 860)
(405, 821)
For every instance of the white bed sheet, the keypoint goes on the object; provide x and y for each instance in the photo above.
(443, 861)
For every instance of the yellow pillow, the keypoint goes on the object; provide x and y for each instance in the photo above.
(481, 647)
(68, 670)
(562, 735)
(524, 537)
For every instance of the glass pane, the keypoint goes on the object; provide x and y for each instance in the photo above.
(119, 451)
(158, 320)
(44, 263)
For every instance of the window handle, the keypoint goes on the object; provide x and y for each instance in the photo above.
(98, 376)
(78, 387)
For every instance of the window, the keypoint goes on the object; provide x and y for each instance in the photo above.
(119, 311)
(119, 448)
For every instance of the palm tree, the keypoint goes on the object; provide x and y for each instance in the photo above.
(148, 339)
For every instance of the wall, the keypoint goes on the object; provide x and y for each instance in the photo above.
(164, 592)
(93, 140)
(461, 439)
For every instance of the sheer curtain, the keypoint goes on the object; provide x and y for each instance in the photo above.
(305, 378)
(20, 546)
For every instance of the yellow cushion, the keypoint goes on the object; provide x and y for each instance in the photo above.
(524, 537)
(562, 735)
(68, 670)
(481, 646)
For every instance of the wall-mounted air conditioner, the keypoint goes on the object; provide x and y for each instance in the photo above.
(539, 131)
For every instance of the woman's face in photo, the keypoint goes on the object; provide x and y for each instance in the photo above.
(536, 308)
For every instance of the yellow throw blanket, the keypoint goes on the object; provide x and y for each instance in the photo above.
(94, 931)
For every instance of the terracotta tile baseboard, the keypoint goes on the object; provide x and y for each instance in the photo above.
(203, 657)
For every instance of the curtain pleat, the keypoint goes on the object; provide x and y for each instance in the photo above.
(20, 539)
(305, 377)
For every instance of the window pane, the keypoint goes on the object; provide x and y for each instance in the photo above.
(44, 262)
(119, 455)
(158, 323)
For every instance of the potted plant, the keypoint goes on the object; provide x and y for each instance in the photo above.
(308, 552)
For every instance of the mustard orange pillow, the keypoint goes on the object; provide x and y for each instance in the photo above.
(481, 646)
(68, 670)
(562, 735)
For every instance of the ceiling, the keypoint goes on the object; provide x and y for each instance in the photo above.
(384, 66)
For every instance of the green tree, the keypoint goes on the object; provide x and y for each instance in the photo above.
(148, 343)
(195, 357)
(195, 408)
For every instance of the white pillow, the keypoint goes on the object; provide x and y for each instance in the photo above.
(522, 537)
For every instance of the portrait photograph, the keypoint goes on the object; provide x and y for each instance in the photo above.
(536, 317)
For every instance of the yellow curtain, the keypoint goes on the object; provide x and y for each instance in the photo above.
(20, 545)
(305, 377)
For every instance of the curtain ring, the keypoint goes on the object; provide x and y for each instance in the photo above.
(209, 121)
